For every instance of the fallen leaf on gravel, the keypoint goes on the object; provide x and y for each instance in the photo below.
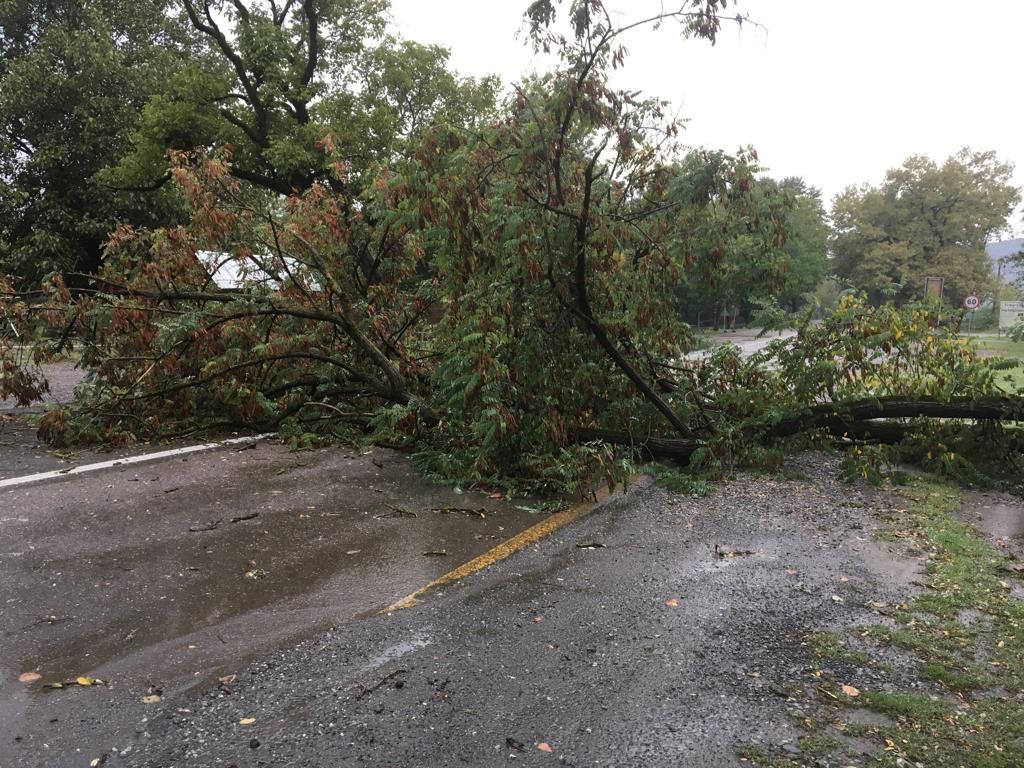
(792, 571)
(538, 619)
(150, 699)
(247, 721)
(227, 679)
(28, 677)
(85, 682)
(844, 578)
(850, 691)
(544, 747)
(672, 602)
(836, 599)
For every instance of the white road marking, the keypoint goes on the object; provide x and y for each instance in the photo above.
(26, 479)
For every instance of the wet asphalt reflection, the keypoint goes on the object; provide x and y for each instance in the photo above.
(160, 577)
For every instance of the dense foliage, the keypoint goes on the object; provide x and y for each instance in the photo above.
(501, 294)
(74, 77)
(739, 288)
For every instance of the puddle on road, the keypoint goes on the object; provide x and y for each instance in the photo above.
(398, 650)
(999, 517)
(155, 590)
(1001, 520)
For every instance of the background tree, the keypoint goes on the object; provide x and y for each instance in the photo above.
(743, 277)
(806, 248)
(304, 93)
(924, 220)
(293, 87)
(74, 77)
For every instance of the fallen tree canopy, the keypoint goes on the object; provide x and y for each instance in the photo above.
(500, 299)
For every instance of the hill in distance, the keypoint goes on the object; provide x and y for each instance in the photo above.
(999, 251)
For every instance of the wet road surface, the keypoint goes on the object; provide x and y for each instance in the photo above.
(160, 577)
(657, 631)
(748, 341)
(22, 453)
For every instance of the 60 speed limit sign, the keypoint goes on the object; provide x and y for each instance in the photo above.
(971, 302)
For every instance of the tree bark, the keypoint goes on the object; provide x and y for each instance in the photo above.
(873, 420)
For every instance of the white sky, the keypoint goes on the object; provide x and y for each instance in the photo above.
(835, 91)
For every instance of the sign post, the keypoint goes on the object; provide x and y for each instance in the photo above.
(971, 303)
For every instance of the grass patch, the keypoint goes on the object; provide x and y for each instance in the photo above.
(905, 705)
(965, 632)
(1003, 351)
(828, 645)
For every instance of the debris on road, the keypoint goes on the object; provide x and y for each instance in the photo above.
(394, 512)
(365, 690)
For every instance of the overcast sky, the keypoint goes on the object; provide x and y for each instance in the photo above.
(835, 91)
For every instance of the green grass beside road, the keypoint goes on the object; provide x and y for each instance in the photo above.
(942, 672)
(1004, 348)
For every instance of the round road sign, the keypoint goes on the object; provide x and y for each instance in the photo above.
(971, 301)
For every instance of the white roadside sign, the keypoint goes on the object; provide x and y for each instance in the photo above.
(1010, 314)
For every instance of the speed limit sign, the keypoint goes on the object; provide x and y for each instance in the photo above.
(971, 301)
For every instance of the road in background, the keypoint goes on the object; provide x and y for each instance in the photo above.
(748, 341)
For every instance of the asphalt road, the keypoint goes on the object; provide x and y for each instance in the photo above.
(657, 631)
(160, 577)
(229, 601)
(624, 639)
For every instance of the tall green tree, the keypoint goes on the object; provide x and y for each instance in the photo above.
(744, 276)
(304, 93)
(924, 220)
(74, 77)
(806, 261)
(294, 88)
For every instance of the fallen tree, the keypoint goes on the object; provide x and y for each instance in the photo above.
(519, 328)
(867, 421)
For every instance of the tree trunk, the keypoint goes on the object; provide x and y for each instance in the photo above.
(871, 420)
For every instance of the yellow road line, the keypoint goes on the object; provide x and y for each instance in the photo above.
(531, 535)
